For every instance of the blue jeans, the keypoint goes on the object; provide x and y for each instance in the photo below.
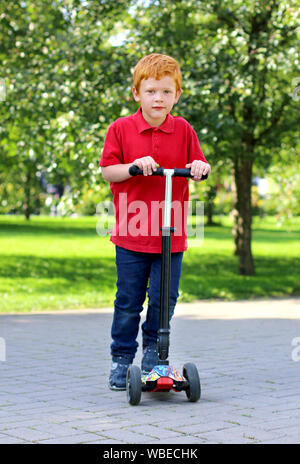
(139, 273)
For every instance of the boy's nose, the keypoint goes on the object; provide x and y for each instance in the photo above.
(158, 96)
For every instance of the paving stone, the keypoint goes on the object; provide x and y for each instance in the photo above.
(53, 385)
(7, 440)
(29, 434)
(73, 439)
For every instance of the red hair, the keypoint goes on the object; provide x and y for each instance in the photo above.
(156, 66)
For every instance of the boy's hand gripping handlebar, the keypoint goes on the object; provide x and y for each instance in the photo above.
(176, 172)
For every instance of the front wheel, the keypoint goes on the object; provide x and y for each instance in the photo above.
(193, 391)
(133, 385)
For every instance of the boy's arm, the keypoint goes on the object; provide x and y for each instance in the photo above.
(116, 172)
(196, 160)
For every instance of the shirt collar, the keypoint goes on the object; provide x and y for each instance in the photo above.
(142, 125)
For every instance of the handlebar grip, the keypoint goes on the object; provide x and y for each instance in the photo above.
(136, 171)
(179, 172)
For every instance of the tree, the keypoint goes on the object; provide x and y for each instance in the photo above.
(26, 28)
(63, 81)
(67, 81)
(239, 58)
(262, 38)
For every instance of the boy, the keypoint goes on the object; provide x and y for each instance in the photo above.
(147, 138)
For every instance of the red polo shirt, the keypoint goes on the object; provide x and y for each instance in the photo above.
(138, 201)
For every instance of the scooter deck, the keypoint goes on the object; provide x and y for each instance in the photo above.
(163, 378)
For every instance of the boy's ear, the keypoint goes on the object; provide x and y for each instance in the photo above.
(135, 94)
(178, 93)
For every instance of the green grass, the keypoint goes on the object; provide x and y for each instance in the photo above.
(59, 263)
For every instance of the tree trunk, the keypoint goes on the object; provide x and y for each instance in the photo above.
(243, 215)
(209, 205)
(209, 213)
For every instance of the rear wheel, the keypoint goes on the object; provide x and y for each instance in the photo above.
(133, 385)
(193, 391)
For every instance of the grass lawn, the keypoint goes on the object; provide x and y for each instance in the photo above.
(58, 263)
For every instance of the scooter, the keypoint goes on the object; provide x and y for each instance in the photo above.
(164, 377)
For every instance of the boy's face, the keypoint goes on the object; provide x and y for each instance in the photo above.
(157, 98)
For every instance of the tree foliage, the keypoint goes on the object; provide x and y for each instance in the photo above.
(62, 78)
(67, 78)
(239, 59)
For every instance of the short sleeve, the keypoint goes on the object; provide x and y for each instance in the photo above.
(112, 150)
(194, 149)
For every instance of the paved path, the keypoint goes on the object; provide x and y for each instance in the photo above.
(53, 384)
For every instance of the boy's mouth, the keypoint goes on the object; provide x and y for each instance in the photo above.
(158, 107)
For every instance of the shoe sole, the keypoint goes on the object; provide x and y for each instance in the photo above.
(115, 388)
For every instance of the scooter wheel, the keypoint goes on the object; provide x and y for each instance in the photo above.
(133, 385)
(193, 391)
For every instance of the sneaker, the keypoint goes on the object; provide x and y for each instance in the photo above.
(118, 372)
(150, 358)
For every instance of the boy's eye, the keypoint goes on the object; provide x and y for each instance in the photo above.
(153, 91)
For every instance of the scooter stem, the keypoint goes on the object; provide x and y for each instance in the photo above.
(163, 341)
(168, 173)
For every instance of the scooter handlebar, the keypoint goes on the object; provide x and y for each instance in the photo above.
(178, 172)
